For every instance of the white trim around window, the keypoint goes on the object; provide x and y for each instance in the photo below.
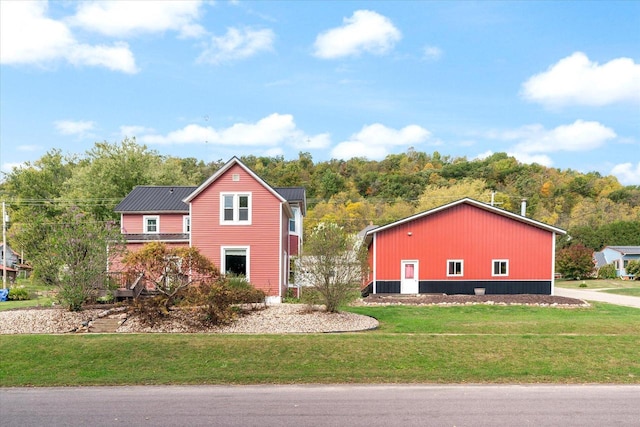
(455, 268)
(186, 223)
(151, 224)
(500, 267)
(236, 251)
(235, 208)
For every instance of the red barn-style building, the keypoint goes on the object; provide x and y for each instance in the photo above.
(461, 246)
(234, 218)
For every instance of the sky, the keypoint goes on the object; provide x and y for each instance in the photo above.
(555, 83)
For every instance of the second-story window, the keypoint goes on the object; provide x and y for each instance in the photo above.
(235, 208)
(151, 224)
(292, 221)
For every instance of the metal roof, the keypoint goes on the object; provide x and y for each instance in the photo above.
(294, 194)
(151, 199)
(157, 199)
(626, 250)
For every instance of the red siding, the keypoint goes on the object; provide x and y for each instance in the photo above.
(465, 232)
(169, 223)
(263, 236)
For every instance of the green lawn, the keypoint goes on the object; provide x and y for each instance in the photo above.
(41, 296)
(611, 286)
(633, 292)
(597, 283)
(466, 344)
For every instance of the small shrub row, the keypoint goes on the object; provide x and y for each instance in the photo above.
(18, 294)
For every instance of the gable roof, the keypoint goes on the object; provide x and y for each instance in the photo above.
(626, 250)
(234, 161)
(471, 202)
(176, 199)
(152, 199)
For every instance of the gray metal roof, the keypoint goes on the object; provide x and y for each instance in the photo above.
(626, 250)
(294, 194)
(150, 199)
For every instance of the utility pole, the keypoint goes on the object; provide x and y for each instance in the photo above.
(4, 246)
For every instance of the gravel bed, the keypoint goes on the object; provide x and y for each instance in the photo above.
(275, 319)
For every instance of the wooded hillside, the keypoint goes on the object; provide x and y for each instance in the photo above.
(596, 210)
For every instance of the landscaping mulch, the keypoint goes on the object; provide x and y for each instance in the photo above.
(443, 299)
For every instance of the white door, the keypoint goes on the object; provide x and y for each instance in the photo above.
(409, 275)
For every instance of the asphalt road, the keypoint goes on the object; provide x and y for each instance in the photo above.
(332, 405)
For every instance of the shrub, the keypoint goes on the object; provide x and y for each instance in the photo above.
(18, 294)
(220, 302)
(607, 272)
(150, 311)
(633, 267)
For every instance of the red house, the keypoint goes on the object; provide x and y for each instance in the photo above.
(461, 246)
(236, 219)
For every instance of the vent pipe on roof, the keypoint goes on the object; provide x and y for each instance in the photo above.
(523, 207)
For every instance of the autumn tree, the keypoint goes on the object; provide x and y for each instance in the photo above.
(170, 269)
(435, 196)
(575, 262)
(333, 263)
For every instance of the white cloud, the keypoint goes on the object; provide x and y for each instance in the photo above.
(575, 80)
(627, 174)
(375, 141)
(432, 53)
(578, 136)
(365, 31)
(28, 36)
(271, 131)
(8, 167)
(541, 159)
(78, 128)
(237, 44)
(484, 155)
(128, 18)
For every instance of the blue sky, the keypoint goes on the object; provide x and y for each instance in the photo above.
(556, 83)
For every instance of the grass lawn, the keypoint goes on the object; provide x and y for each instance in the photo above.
(41, 296)
(597, 283)
(612, 286)
(463, 344)
(633, 292)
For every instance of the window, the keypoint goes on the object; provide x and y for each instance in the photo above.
(500, 267)
(455, 267)
(151, 224)
(292, 221)
(236, 261)
(186, 224)
(235, 208)
(625, 263)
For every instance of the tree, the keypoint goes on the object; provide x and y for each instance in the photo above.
(633, 267)
(334, 263)
(170, 269)
(575, 262)
(73, 253)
